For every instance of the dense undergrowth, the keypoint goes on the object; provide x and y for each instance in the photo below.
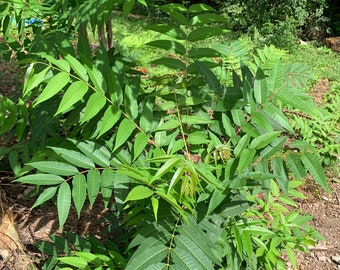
(202, 145)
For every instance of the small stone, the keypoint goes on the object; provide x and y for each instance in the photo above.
(322, 258)
(336, 259)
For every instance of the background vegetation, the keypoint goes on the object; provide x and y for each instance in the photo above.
(195, 141)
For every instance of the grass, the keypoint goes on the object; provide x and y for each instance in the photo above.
(323, 62)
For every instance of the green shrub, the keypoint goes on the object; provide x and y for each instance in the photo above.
(280, 23)
(200, 169)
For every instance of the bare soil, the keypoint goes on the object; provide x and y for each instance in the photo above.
(42, 222)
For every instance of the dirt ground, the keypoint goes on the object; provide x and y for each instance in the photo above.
(326, 211)
(40, 223)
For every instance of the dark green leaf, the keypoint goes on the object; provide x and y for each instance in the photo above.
(209, 78)
(168, 45)
(178, 17)
(170, 63)
(168, 30)
(127, 6)
(204, 32)
(197, 53)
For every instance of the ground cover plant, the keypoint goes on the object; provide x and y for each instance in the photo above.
(198, 166)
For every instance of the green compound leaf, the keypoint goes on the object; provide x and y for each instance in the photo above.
(170, 63)
(206, 18)
(97, 153)
(178, 17)
(315, 169)
(74, 157)
(264, 139)
(168, 30)
(96, 76)
(95, 103)
(79, 192)
(73, 94)
(275, 79)
(54, 167)
(141, 141)
(110, 118)
(74, 261)
(196, 8)
(130, 101)
(198, 258)
(204, 32)
(108, 179)
(155, 205)
(33, 80)
(168, 45)
(273, 112)
(147, 256)
(166, 167)
(209, 78)
(47, 194)
(295, 166)
(78, 67)
(246, 158)
(280, 173)
(125, 129)
(168, 8)
(139, 193)
(260, 87)
(93, 185)
(54, 86)
(61, 63)
(197, 53)
(127, 6)
(63, 203)
(41, 179)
